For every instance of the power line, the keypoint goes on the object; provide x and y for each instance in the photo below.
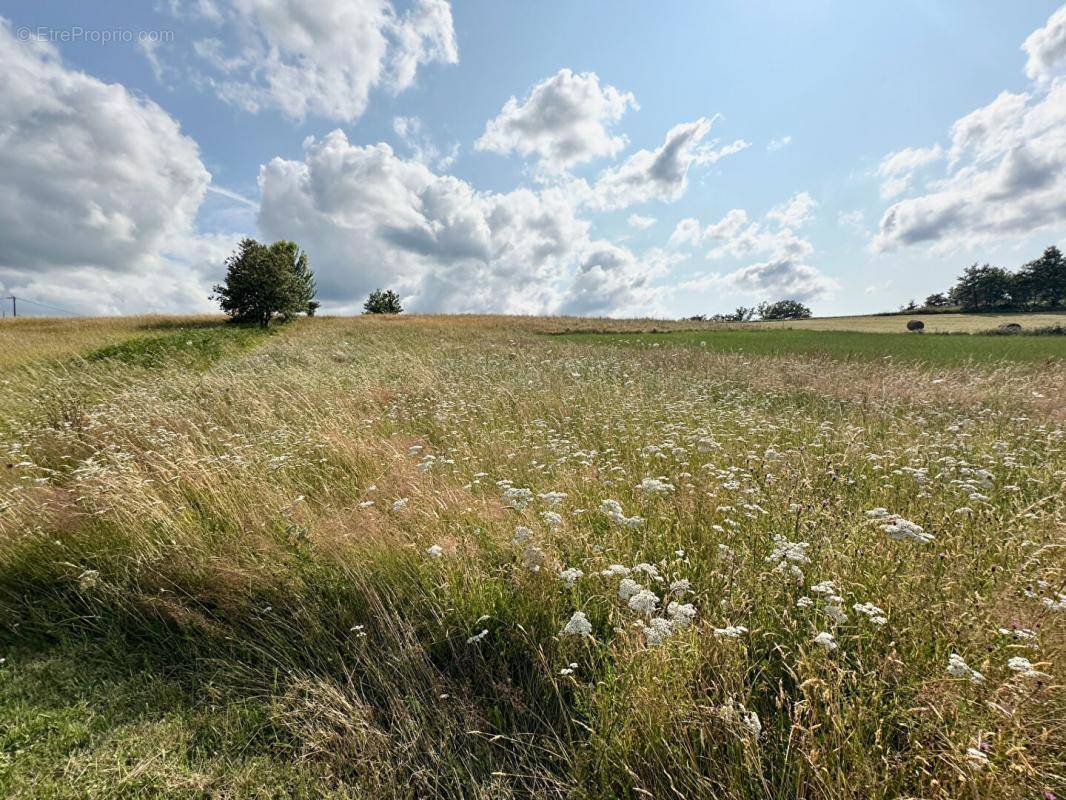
(13, 300)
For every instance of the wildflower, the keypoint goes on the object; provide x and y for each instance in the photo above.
(826, 640)
(1025, 668)
(805, 602)
(958, 668)
(400, 504)
(358, 630)
(366, 504)
(789, 555)
(976, 757)
(680, 614)
(568, 670)
(736, 712)
(477, 637)
(521, 534)
(88, 579)
(533, 558)
(730, 632)
(898, 528)
(680, 586)
(644, 602)
(1056, 603)
(553, 498)
(656, 631)
(613, 510)
(434, 551)
(628, 587)
(650, 570)
(570, 575)
(1021, 634)
(578, 625)
(517, 498)
(553, 519)
(615, 570)
(871, 612)
(654, 486)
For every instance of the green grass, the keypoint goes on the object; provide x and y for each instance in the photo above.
(934, 349)
(195, 347)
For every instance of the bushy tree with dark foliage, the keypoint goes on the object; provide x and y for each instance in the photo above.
(382, 302)
(937, 300)
(264, 281)
(1043, 281)
(784, 309)
(983, 288)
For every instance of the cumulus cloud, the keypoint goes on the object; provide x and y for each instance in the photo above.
(898, 168)
(737, 235)
(641, 222)
(412, 133)
(660, 174)
(782, 279)
(327, 62)
(611, 281)
(1046, 47)
(1005, 174)
(372, 218)
(100, 187)
(565, 120)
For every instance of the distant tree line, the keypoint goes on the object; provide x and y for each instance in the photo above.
(782, 309)
(1038, 285)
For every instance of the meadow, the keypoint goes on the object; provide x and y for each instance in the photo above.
(431, 557)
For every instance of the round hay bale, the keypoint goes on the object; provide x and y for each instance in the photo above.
(915, 325)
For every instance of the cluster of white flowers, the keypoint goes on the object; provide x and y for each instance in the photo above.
(871, 612)
(434, 551)
(533, 558)
(477, 637)
(826, 641)
(399, 504)
(644, 602)
(521, 535)
(1025, 668)
(788, 556)
(613, 509)
(570, 576)
(569, 669)
(654, 486)
(736, 713)
(578, 625)
(958, 668)
(898, 528)
(730, 632)
(516, 498)
(88, 579)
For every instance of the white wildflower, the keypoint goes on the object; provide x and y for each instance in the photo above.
(578, 625)
(1025, 668)
(805, 602)
(521, 534)
(871, 612)
(958, 668)
(570, 575)
(533, 558)
(654, 486)
(517, 498)
(88, 579)
(399, 504)
(730, 632)
(477, 637)
(680, 586)
(681, 614)
(976, 757)
(628, 587)
(615, 571)
(434, 551)
(826, 640)
(656, 631)
(644, 602)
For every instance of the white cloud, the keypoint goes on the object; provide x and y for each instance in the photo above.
(97, 181)
(1008, 178)
(1006, 169)
(610, 281)
(660, 174)
(326, 62)
(412, 133)
(852, 219)
(777, 144)
(640, 222)
(565, 121)
(898, 168)
(1046, 47)
(782, 279)
(369, 218)
(796, 212)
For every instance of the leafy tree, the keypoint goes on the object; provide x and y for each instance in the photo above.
(1043, 280)
(784, 309)
(983, 288)
(937, 300)
(911, 305)
(266, 280)
(382, 302)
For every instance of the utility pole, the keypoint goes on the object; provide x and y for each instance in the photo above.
(14, 308)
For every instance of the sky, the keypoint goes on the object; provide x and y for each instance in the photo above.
(590, 158)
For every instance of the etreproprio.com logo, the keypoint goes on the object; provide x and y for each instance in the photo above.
(92, 35)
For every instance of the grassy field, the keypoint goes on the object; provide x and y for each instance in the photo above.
(932, 349)
(934, 323)
(458, 558)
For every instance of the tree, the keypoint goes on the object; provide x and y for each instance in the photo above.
(937, 300)
(1043, 280)
(983, 288)
(382, 302)
(911, 305)
(784, 309)
(263, 281)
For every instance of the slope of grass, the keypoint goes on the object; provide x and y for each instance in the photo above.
(934, 323)
(849, 345)
(336, 563)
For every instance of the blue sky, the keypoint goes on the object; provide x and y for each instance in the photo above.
(851, 155)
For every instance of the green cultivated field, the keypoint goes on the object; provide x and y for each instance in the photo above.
(454, 557)
(934, 349)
